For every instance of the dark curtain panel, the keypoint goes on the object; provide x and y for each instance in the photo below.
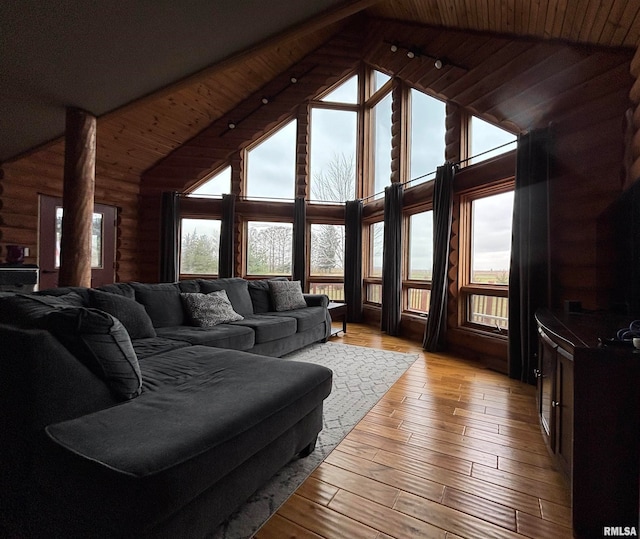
(170, 238)
(300, 241)
(353, 259)
(529, 275)
(226, 245)
(436, 328)
(392, 260)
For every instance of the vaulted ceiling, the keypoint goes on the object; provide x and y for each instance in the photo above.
(156, 74)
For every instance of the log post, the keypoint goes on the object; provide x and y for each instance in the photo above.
(77, 198)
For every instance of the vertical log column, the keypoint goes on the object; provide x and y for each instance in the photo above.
(77, 201)
(633, 149)
(399, 162)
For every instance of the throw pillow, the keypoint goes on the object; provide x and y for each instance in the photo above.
(237, 291)
(261, 296)
(102, 343)
(133, 316)
(208, 310)
(29, 310)
(162, 302)
(287, 295)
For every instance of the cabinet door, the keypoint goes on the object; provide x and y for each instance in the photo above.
(546, 386)
(563, 406)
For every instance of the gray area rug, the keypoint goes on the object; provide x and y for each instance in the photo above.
(361, 376)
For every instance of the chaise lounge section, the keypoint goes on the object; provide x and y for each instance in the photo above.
(169, 448)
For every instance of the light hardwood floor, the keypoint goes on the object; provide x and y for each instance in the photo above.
(452, 450)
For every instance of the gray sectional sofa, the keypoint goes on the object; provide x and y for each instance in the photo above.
(120, 417)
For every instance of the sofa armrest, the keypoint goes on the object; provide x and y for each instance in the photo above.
(316, 300)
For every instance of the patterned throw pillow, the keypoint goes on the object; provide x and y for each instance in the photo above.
(208, 310)
(287, 295)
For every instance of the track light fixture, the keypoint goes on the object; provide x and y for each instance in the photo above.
(414, 51)
(394, 47)
(264, 100)
(231, 125)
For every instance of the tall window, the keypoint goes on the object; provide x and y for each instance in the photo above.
(326, 272)
(426, 136)
(373, 278)
(488, 215)
(419, 263)
(333, 154)
(199, 243)
(271, 165)
(216, 185)
(485, 137)
(269, 248)
(381, 144)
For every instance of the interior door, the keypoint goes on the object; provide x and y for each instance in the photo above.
(103, 244)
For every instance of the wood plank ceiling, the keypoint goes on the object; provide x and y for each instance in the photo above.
(135, 137)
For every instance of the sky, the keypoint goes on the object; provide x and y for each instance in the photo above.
(271, 164)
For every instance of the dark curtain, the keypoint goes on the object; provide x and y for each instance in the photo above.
(436, 328)
(529, 275)
(353, 259)
(227, 231)
(299, 241)
(170, 238)
(392, 260)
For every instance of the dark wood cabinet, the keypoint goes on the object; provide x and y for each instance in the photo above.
(589, 406)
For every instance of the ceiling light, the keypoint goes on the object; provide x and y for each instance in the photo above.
(394, 47)
(232, 125)
(411, 53)
(265, 100)
(293, 80)
(438, 63)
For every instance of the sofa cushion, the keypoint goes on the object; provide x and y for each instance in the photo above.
(237, 291)
(208, 310)
(307, 318)
(221, 336)
(132, 314)
(189, 285)
(122, 289)
(162, 302)
(153, 346)
(269, 328)
(101, 342)
(30, 310)
(261, 296)
(287, 295)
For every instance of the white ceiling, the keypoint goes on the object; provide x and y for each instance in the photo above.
(99, 55)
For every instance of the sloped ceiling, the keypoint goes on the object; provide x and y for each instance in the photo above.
(111, 58)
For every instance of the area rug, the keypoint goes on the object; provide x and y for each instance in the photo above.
(361, 376)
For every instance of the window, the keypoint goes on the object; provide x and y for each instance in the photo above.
(326, 272)
(381, 145)
(333, 154)
(485, 137)
(347, 92)
(485, 284)
(426, 136)
(199, 243)
(373, 280)
(417, 283)
(269, 248)
(271, 165)
(379, 80)
(216, 185)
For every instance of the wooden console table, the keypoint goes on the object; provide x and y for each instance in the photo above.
(589, 408)
(338, 311)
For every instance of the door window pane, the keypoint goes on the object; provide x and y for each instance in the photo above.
(271, 165)
(421, 246)
(333, 155)
(269, 248)
(491, 238)
(199, 244)
(327, 250)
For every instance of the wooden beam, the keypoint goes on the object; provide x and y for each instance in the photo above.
(77, 201)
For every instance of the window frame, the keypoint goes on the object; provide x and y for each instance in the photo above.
(245, 247)
(466, 287)
(316, 278)
(193, 217)
(407, 283)
(368, 279)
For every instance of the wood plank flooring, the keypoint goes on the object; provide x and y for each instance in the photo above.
(452, 450)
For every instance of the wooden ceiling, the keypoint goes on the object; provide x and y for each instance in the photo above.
(138, 136)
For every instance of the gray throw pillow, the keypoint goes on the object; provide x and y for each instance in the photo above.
(287, 295)
(208, 310)
(102, 343)
(237, 291)
(133, 316)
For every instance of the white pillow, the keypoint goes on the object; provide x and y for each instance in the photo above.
(208, 310)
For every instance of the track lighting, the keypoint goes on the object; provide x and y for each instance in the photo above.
(231, 125)
(438, 63)
(265, 100)
(293, 80)
(394, 47)
(412, 53)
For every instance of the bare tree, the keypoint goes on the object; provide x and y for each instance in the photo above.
(336, 182)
